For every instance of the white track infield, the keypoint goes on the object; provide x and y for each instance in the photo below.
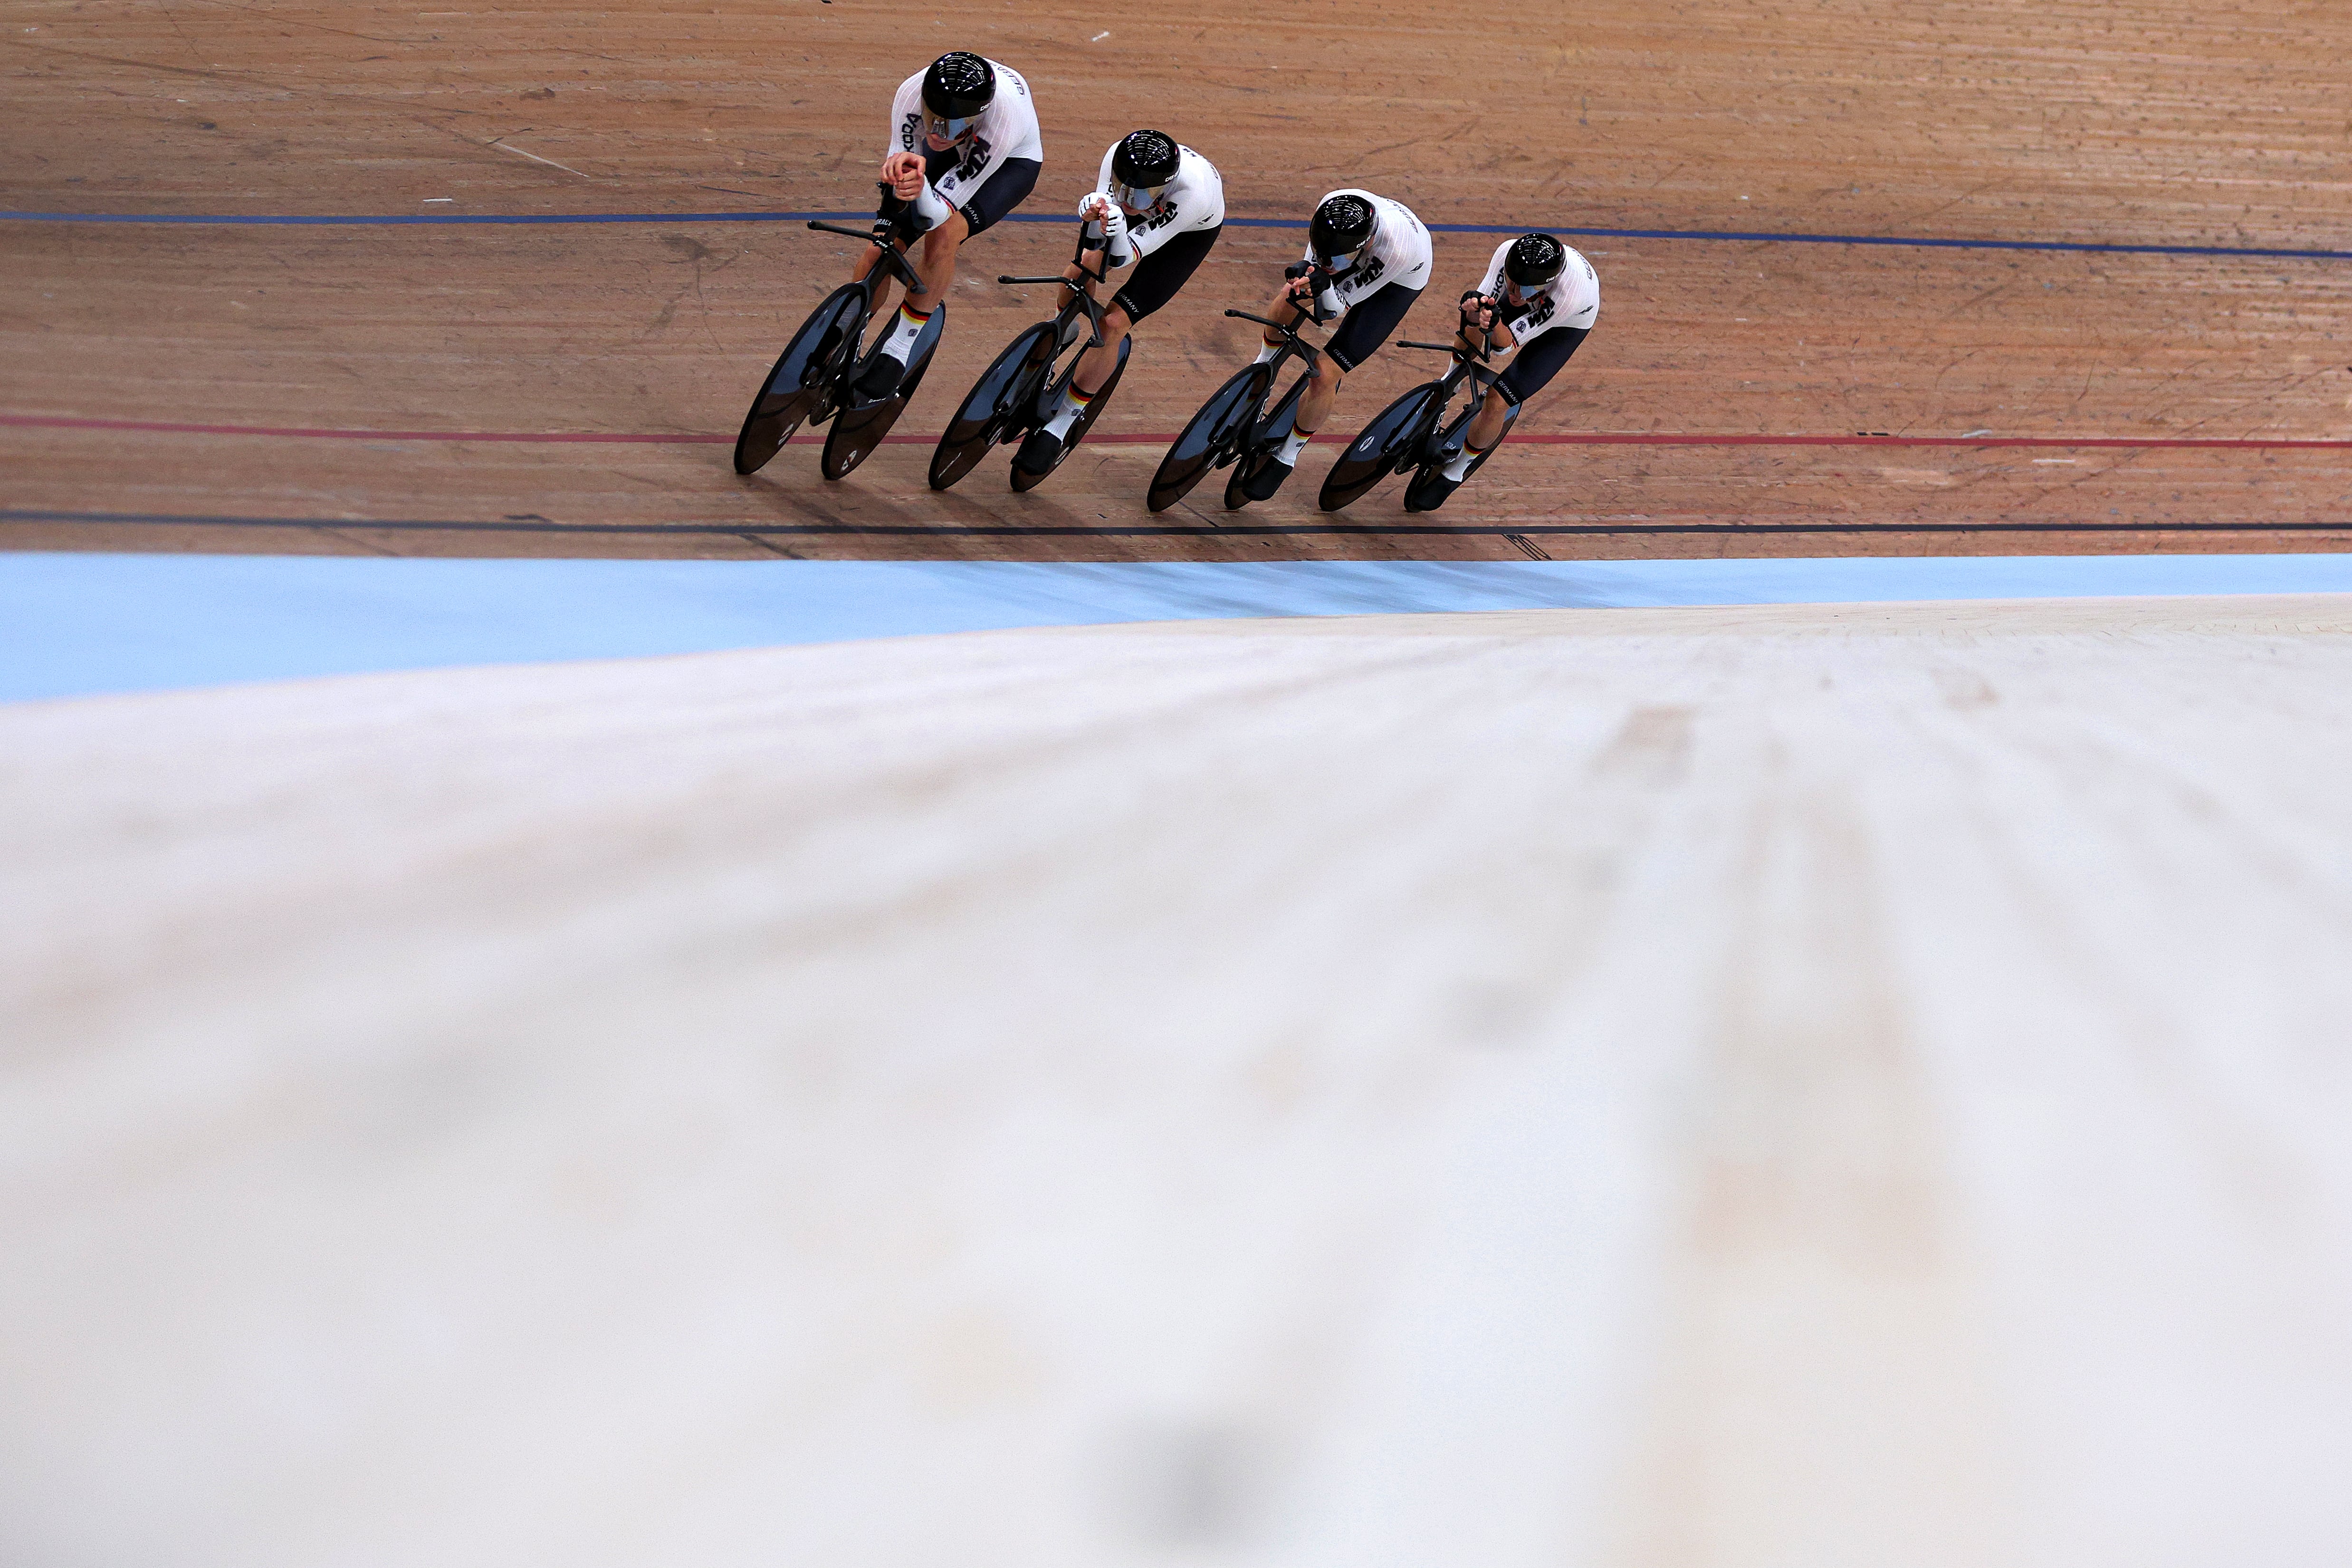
(1801, 1086)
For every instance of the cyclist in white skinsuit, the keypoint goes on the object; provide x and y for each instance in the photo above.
(1158, 208)
(1538, 299)
(963, 150)
(1367, 257)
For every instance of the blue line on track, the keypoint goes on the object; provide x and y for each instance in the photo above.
(308, 220)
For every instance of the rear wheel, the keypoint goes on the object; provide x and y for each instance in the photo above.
(1022, 480)
(1424, 493)
(988, 405)
(1375, 452)
(1269, 434)
(856, 432)
(1211, 437)
(1501, 435)
(803, 374)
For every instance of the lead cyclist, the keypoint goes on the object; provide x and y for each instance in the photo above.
(963, 151)
(1536, 304)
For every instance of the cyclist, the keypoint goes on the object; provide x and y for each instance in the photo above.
(1158, 208)
(1539, 298)
(1368, 258)
(963, 151)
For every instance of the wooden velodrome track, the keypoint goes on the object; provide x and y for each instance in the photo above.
(571, 388)
(1855, 1085)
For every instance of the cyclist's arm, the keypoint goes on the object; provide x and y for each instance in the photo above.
(1501, 344)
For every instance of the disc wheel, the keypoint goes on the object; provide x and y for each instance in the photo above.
(856, 432)
(1270, 433)
(1209, 438)
(803, 374)
(1022, 480)
(986, 408)
(1417, 497)
(1380, 447)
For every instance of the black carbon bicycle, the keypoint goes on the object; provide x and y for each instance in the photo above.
(815, 377)
(1020, 391)
(1407, 434)
(1234, 426)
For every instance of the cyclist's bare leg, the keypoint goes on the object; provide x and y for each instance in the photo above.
(1095, 368)
(1322, 387)
(935, 261)
(1488, 427)
(1096, 364)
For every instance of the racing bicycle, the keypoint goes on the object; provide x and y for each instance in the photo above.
(1020, 391)
(815, 378)
(1408, 435)
(1234, 426)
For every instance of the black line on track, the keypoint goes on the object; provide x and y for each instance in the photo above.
(1155, 531)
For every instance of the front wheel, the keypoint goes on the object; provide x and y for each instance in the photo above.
(981, 419)
(1380, 447)
(807, 368)
(1211, 437)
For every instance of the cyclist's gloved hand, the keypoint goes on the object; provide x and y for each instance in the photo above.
(1116, 250)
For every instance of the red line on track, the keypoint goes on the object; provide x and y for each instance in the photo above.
(1563, 439)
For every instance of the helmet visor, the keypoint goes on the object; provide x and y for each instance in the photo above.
(1135, 198)
(942, 129)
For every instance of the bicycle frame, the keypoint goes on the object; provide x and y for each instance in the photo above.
(1465, 367)
(1292, 344)
(1082, 297)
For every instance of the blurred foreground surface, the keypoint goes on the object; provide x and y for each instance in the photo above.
(1758, 1086)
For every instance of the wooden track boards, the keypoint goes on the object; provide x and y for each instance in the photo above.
(2140, 124)
(1732, 1087)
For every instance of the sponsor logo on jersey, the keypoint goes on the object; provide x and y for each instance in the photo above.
(1162, 213)
(975, 159)
(909, 129)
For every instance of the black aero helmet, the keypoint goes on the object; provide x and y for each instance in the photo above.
(1145, 160)
(959, 85)
(1342, 226)
(1535, 260)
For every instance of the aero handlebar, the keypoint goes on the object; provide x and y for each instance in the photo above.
(1449, 348)
(891, 257)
